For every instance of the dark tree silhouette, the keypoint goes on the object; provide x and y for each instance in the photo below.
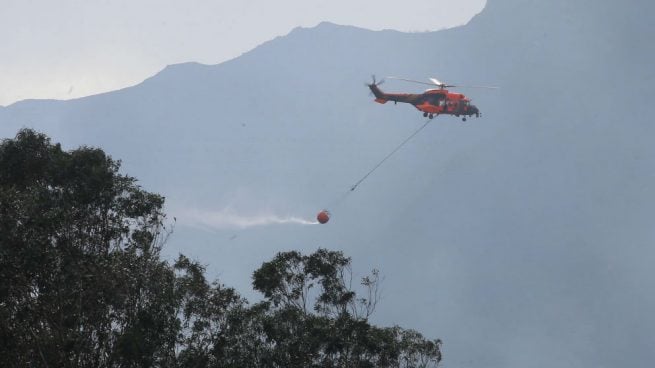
(83, 284)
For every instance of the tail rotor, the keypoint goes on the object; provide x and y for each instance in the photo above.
(373, 86)
(375, 82)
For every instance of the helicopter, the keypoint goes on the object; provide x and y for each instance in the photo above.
(432, 102)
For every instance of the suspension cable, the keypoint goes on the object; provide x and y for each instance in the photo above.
(352, 188)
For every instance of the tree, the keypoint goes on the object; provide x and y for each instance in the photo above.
(79, 258)
(314, 317)
(83, 283)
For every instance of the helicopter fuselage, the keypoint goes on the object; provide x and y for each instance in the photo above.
(431, 102)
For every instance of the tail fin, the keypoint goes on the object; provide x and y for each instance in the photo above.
(380, 96)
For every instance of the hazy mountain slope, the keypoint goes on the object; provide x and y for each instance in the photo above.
(523, 238)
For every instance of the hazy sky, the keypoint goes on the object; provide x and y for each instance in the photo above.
(72, 48)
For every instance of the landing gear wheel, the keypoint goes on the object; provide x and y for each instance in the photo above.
(463, 119)
(430, 116)
(425, 114)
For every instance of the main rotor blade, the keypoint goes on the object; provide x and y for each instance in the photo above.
(438, 83)
(487, 87)
(413, 81)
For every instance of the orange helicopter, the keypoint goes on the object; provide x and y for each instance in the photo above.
(433, 101)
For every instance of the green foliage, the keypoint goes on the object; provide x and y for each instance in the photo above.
(314, 318)
(79, 258)
(83, 283)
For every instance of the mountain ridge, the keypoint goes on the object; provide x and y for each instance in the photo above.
(520, 238)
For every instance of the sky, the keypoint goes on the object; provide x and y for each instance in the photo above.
(72, 48)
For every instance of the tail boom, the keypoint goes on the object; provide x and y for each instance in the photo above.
(382, 98)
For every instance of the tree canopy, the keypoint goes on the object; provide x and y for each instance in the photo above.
(83, 283)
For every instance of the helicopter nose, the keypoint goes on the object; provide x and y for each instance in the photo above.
(473, 110)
